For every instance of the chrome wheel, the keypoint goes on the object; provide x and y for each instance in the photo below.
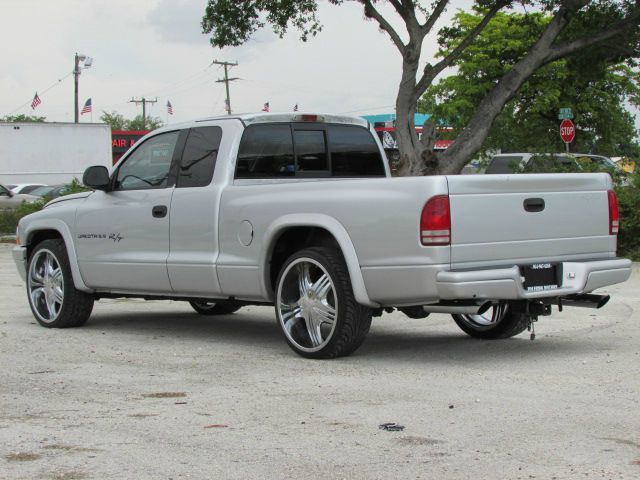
(307, 304)
(46, 285)
(487, 320)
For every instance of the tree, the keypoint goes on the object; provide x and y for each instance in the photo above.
(595, 88)
(575, 26)
(118, 122)
(23, 118)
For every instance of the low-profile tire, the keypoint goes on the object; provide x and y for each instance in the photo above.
(213, 308)
(497, 322)
(315, 305)
(53, 297)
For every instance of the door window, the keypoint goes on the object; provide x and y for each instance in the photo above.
(149, 165)
(199, 157)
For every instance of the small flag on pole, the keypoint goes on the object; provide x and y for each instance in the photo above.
(169, 108)
(227, 108)
(295, 107)
(36, 101)
(266, 107)
(86, 108)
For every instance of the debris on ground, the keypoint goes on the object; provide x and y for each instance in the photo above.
(391, 427)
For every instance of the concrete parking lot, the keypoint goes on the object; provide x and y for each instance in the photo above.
(152, 390)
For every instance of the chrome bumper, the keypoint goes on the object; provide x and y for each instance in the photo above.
(506, 283)
(20, 258)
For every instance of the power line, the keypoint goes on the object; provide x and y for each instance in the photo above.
(226, 80)
(144, 102)
(42, 92)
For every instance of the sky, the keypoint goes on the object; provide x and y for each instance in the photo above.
(155, 49)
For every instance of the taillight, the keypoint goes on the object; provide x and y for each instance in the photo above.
(435, 222)
(614, 213)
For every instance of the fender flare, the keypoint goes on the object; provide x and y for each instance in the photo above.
(64, 231)
(335, 228)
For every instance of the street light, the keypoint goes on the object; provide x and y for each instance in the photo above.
(76, 73)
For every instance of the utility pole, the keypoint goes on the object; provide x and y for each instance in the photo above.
(144, 102)
(226, 80)
(79, 57)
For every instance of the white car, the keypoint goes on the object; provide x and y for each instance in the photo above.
(24, 187)
(10, 200)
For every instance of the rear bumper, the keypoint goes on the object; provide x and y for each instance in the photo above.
(506, 283)
(20, 258)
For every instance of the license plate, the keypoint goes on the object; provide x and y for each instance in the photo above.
(540, 277)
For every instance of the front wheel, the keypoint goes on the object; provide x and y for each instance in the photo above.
(53, 298)
(315, 305)
(497, 322)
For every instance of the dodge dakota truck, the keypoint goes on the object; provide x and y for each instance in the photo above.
(300, 211)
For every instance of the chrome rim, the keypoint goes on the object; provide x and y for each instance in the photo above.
(46, 285)
(487, 320)
(307, 304)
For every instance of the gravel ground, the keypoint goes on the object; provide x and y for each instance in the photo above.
(152, 390)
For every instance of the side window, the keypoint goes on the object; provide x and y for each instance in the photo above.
(266, 151)
(199, 157)
(354, 152)
(148, 166)
(311, 151)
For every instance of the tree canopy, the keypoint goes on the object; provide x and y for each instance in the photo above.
(595, 86)
(610, 26)
(118, 122)
(23, 118)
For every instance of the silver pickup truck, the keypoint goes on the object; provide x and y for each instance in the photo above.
(300, 211)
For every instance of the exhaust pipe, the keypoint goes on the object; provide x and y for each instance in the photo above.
(466, 308)
(587, 300)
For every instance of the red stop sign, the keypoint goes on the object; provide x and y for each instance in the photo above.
(567, 131)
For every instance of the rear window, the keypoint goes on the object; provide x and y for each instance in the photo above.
(308, 150)
(504, 164)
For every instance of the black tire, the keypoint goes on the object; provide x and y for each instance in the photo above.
(503, 323)
(337, 331)
(53, 297)
(213, 308)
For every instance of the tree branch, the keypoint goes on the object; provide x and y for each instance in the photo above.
(371, 11)
(433, 18)
(432, 71)
(562, 50)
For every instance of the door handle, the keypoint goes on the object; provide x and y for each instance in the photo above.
(159, 211)
(534, 204)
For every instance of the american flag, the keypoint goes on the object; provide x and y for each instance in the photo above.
(266, 107)
(169, 108)
(36, 101)
(87, 107)
(227, 108)
(295, 107)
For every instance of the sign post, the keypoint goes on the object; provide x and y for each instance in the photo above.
(567, 132)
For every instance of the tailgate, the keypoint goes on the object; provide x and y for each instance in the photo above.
(520, 219)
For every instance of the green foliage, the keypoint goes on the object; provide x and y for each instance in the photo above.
(231, 23)
(118, 122)
(22, 118)
(595, 84)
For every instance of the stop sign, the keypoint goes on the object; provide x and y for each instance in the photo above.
(567, 131)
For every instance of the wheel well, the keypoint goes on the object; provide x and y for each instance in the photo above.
(39, 236)
(293, 239)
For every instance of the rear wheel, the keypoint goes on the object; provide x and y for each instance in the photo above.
(53, 298)
(213, 308)
(497, 322)
(315, 305)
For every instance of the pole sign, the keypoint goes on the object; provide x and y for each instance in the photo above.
(565, 114)
(567, 131)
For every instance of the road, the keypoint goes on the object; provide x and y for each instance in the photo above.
(152, 390)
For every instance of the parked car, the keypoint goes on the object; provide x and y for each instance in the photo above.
(299, 211)
(10, 200)
(24, 187)
(49, 192)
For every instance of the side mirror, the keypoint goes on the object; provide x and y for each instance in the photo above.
(96, 177)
